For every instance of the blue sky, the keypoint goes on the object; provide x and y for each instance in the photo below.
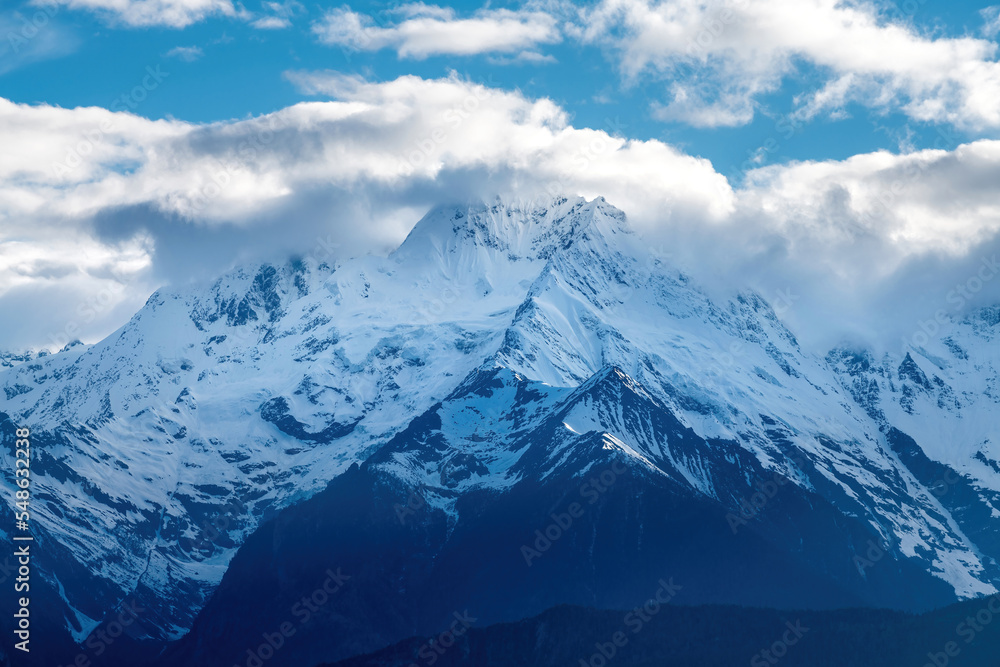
(87, 58)
(846, 149)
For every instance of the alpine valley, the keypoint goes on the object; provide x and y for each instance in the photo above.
(522, 415)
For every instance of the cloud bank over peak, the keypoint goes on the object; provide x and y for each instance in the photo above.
(862, 243)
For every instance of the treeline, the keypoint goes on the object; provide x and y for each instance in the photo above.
(966, 635)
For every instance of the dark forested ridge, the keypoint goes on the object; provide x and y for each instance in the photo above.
(965, 634)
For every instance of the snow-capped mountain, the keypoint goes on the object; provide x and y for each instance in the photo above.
(502, 356)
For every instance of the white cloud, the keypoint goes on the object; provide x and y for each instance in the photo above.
(931, 200)
(991, 21)
(865, 241)
(29, 39)
(186, 53)
(271, 23)
(700, 104)
(412, 10)
(139, 13)
(872, 244)
(724, 54)
(428, 30)
(279, 15)
(183, 13)
(716, 59)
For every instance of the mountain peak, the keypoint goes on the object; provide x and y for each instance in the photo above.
(515, 229)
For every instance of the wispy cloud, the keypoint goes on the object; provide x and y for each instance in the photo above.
(523, 58)
(271, 23)
(278, 15)
(30, 39)
(170, 13)
(991, 21)
(186, 53)
(183, 13)
(429, 30)
(716, 59)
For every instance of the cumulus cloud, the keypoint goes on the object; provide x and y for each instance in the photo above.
(409, 133)
(868, 246)
(155, 202)
(723, 55)
(418, 31)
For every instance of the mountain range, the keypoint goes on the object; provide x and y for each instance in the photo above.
(523, 406)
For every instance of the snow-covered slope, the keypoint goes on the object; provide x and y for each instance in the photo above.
(947, 391)
(161, 448)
